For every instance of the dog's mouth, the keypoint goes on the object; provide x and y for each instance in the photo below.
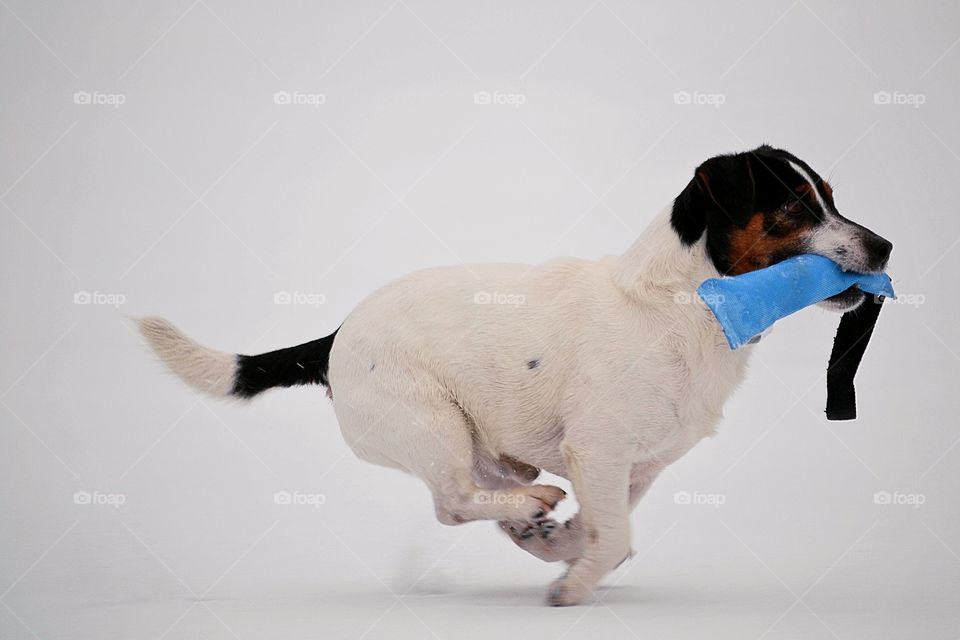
(846, 300)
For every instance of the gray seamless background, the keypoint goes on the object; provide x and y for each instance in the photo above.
(202, 196)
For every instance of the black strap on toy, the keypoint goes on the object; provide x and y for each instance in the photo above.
(853, 334)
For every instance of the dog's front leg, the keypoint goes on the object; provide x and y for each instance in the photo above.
(599, 468)
(551, 541)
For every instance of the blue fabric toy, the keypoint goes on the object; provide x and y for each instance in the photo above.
(748, 304)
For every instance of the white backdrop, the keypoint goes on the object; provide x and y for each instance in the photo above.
(196, 158)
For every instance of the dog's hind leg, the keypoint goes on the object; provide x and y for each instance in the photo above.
(445, 461)
(547, 539)
(501, 473)
(458, 499)
(552, 541)
(416, 426)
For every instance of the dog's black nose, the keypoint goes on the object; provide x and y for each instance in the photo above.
(878, 248)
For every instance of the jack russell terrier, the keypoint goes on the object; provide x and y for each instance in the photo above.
(476, 377)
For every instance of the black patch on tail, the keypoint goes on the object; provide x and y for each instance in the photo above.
(304, 364)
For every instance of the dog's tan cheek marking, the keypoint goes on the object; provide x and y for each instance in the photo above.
(746, 250)
(592, 536)
(753, 247)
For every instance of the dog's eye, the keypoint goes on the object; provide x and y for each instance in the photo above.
(792, 207)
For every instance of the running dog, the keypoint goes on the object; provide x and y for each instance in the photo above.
(476, 377)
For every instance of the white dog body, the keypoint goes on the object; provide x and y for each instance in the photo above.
(614, 365)
(474, 378)
(570, 344)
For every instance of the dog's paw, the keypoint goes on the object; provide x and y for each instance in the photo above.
(567, 592)
(545, 498)
(544, 538)
(541, 528)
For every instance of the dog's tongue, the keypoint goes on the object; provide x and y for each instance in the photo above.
(851, 340)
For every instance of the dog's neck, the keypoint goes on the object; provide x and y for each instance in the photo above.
(659, 264)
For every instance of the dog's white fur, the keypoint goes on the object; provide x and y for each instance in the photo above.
(475, 377)
(201, 367)
(472, 377)
(602, 372)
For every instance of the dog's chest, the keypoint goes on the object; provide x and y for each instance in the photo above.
(710, 379)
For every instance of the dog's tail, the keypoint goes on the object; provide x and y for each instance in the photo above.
(231, 375)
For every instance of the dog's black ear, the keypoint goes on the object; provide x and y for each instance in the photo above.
(689, 215)
(722, 186)
(728, 183)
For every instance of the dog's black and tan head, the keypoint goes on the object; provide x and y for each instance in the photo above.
(763, 206)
